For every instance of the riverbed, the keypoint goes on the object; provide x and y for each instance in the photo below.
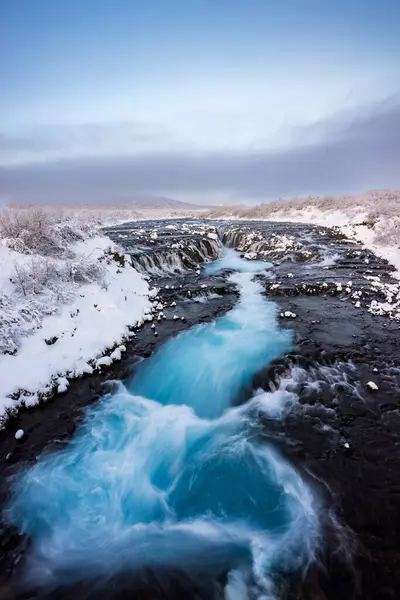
(241, 452)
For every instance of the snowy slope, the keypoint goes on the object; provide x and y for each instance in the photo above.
(91, 296)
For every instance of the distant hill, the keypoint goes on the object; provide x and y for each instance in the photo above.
(150, 202)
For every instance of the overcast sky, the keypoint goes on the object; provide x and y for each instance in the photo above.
(205, 100)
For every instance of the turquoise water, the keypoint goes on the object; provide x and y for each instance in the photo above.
(167, 472)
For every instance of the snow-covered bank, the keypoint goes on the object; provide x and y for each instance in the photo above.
(370, 232)
(63, 305)
(373, 219)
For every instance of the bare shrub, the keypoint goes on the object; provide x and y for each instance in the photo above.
(21, 279)
(84, 269)
(33, 226)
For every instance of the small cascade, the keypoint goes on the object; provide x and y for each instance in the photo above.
(186, 256)
(253, 242)
(232, 238)
(162, 262)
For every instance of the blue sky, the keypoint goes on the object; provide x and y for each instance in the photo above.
(213, 100)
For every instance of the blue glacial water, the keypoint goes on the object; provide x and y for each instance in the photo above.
(167, 472)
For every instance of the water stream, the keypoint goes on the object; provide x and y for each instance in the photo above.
(170, 470)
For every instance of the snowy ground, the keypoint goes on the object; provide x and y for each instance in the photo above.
(68, 296)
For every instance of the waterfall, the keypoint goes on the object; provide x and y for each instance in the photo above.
(177, 260)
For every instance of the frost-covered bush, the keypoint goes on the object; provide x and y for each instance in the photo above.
(44, 268)
(83, 269)
(32, 227)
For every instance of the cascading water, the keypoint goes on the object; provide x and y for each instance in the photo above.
(178, 260)
(166, 473)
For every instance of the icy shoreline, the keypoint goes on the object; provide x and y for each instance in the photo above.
(372, 219)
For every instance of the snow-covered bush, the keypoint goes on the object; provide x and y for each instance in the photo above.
(33, 227)
(43, 264)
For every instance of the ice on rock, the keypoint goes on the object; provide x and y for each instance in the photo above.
(104, 361)
(173, 303)
(116, 354)
(372, 385)
(62, 385)
(153, 326)
(175, 317)
(83, 368)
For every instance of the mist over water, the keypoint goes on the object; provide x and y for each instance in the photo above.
(167, 472)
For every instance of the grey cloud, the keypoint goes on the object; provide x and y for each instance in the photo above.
(350, 154)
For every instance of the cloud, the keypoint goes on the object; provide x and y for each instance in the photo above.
(347, 153)
(65, 141)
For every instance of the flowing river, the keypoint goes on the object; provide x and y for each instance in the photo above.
(173, 470)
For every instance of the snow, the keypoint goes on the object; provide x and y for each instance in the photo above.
(61, 389)
(116, 355)
(19, 434)
(372, 385)
(89, 319)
